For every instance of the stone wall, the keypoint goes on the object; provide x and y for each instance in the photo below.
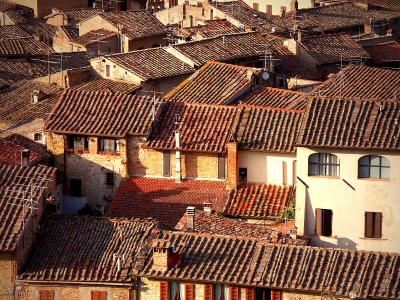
(8, 268)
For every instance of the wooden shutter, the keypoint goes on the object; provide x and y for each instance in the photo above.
(250, 294)
(208, 292)
(221, 167)
(234, 293)
(46, 295)
(377, 225)
(318, 221)
(164, 290)
(189, 291)
(369, 224)
(276, 295)
(166, 163)
(99, 295)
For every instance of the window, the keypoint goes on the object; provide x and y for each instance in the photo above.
(46, 295)
(221, 292)
(110, 178)
(167, 164)
(372, 166)
(108, 145)
(208, 292)
(373, 225)
(99, 295)
(77, 142)
(256, 6)
(269, 9)
(75, 187)
(283, 11)
(38, 137)
(164, 290)
(108, 70)
(323, 224)
(243, 174)
(221, 167)
(323, 164)
(211, 14)
(263, 294)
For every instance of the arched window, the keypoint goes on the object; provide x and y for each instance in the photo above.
(373, 166)
(323, 164)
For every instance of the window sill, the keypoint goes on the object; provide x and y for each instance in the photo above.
(375, 179)
(77, 151)
(109, 153)
(327, 177)
(374, 239)
(333, 237)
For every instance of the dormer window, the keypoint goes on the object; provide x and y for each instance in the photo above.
(323, 164)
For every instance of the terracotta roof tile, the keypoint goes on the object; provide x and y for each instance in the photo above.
(23, 47)
(203, 128)
(211, 28)
(165, 199)
(104, 85)
(214, 223)
(274, 97)
(88, 113)
(268, 129)
(339, 123)
(333, 48)
(154, 63)
(220, 259)
(76, 15)
(214, 83)
(260, 201)
(93, 36)
(61, 256)
(15, 183)
(224, 48)
(72, 32)
(356, 81)
(12, 32)
(384, 53)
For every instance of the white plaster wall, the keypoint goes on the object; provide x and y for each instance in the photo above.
(348, 205)
(264, 167)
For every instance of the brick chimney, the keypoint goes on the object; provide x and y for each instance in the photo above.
(294, 6)
(164, 256)
(233, 166)
(25, 154)
(190, 215)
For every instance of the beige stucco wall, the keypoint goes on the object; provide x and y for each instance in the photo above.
(117, 73)
(349, 205)
(264, 167)
(7, 276)
(42, 8)
(27, 129)
(276, 5)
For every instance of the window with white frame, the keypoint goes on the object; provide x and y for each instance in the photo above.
(323, 164)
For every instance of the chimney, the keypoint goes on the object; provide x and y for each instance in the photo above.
(313, 3)
(232, 167)
(164, 256)
(178, 166)
(294, 6)
(190, 215)
(283, 11)
(223, 39)
(37, 96)
(293, 232)
(368, 27)
(25, 153)
(250, 74)
(207, 207)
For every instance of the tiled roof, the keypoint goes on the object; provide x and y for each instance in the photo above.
(16, 183)
(16, 16)
(39, 29)
(93, 36)
(214, 83)
(220, 259)
(260, 201)
(332, 48)
(11, 149)
(253, 19)
(136, 24)
(76, 15)
(104, 85)
(384, 53)
(16, 105)
(354, 124)
(214, 223)
(165, 199)
(203, 128)
(72, 32)
(7, 5)
(224, 48)
(154, 63)
(88, 249)
(363, 82)
(12, 32)
(342, 16)
(89, 113)
(211, 28)
(268, 129)
(24, 46)
(390, 4)
(274, 97)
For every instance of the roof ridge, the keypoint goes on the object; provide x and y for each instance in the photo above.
(271, 108)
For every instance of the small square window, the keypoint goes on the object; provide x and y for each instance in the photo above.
(243, 174)
(75, 187)
(38, 137)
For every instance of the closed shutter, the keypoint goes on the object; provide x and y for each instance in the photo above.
(208, 292)
(167, 164)
(276, 295)
(318, 221)
(378, 225)
(369, 224)
(221, 167)
(250, 294)
(164, 290)
(189, 291)
(46, 295)
(99, 295)
(234, 293)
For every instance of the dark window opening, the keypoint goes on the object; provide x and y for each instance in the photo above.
(110, 178)
(75, 187)
(75, 142)
(221, 167)
(38, 137)
(108, 145)
(323, 222)
(243, 174)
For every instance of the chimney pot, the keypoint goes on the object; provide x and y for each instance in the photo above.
(293, 232)
(190, 215)
(207, 207)
(25, 154)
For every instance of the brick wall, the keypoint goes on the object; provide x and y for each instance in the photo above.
(27, 129)
(149, 162)
(7, 276)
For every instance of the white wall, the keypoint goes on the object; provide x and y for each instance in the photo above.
(276, 5)
(349, 205)
(264, 167)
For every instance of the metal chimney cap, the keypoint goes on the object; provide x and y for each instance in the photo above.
(190, 210)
